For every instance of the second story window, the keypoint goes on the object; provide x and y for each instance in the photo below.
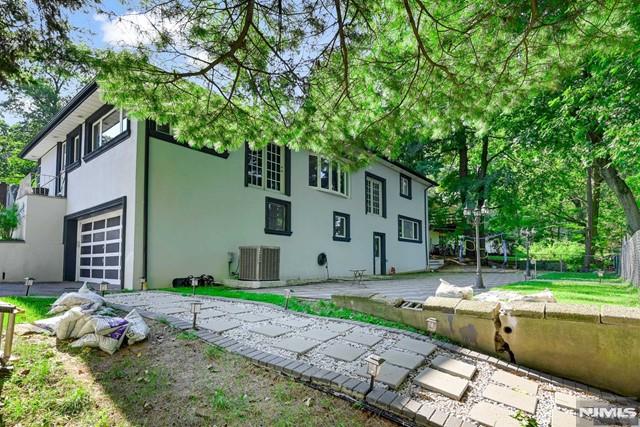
(106, 128)
(375, 196)
(325, 174)
(73, 148)
(265, 168)
(405, 186)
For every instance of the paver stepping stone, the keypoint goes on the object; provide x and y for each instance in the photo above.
(453, 367)
(389, 374)
(515, 382)
(296, 344)
(169, 310)
(320, 334)
(296, 322)
(400, 358)
(219, 325)
(250, 317)
(233, 309)
(339, 327)
(491, 415)
(565, 400)
(344, 352)
(421, 347)
(270, 330)
(210, 312)
(565, 419)
(522, 401)
(368, 340)
(440, 382)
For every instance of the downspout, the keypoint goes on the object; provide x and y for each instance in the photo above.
(145, 209)
(427, 238)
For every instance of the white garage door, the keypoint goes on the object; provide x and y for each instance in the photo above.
(99, 248)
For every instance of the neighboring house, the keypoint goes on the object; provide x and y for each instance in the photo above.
(136, 203)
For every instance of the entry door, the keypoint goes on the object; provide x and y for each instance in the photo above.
(379, 254)
(100, 248)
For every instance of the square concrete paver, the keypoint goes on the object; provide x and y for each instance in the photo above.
(250, 317)
(296, 322)
(270, 330)
(389, 374)
(210, 312)
(169, 309)
(232, 309)
(344, 352)
(453, 367)
(319, 334)
(448, 385)
(296, 344)
(339, 327)
(510, 397)
(491, 415)
(219, 325)
(416, 346)
(565, 419)
(368, 340)
(400, 358)
(515, 382)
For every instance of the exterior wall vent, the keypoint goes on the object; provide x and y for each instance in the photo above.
(259, 263)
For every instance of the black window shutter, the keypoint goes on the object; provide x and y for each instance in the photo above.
(384, 198)
(59, 153)
(246, 164)
(287, 171)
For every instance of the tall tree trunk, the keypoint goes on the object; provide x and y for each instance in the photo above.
(588, 229)
(482, 171)
(623, 193)
(463, 167)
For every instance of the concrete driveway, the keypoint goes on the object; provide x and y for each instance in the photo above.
(411, 289)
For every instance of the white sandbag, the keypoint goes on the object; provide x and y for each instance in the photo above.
(510, 296)
(89, 340)
(138, 329)
(68, 322)
(50, 324)
(448, 290)
(543, 296)
(107, 343)
(102, 325)
(80, 323)
(83, 296)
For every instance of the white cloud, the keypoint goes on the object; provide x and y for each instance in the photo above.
(133, 29)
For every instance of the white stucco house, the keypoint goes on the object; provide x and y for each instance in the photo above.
(118, 200)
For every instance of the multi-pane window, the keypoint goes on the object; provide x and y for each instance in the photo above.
(63, 156)
(108, 127)
(405, 186)
(341, 227)
(328, 175)
(265, 167)
(277, 216)
(74, 149)
(374, 197)
(409, 229)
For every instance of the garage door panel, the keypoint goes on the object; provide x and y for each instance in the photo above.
(99, 236)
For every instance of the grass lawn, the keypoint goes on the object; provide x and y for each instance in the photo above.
(581, 288)
(34, 307)
(318, 308)
(170, 379)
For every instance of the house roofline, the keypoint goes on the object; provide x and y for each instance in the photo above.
(408, 170)
(80, 97)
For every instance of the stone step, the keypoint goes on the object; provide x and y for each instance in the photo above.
(491, 415)
(362, 339)
(565, 419)
(419, 347)
(345, 352)
(440, 382)
(515, 382)
(511, 397)
(400, 358)
(453, 367)
(389, 374)
(296, 344)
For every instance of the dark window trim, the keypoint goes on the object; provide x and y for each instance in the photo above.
(408, 178)
(383, 253)
(59, 155)
(347, 226)
(287, 169)
(88, 125)
(78, 154)
(70, 235)
(408, 218)
(287, 205)
(384, 192)
(171, 139)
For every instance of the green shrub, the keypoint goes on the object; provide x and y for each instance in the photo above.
(9, 221)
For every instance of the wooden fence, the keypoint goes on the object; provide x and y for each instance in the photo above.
(630, 259)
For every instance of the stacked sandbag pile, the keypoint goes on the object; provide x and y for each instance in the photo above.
(85, 319)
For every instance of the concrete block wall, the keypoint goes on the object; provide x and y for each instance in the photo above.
(584, 343)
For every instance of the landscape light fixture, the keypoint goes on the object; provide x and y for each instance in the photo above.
(143, 283)
(374, 362)
(432, 325)
(104, 287)
(600, 275)
(528, 235)
(196, 306)
(194, 284)
(287, 295)
(474, 216)
(28, 282)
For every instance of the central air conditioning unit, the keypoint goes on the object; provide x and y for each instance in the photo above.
(259, 263)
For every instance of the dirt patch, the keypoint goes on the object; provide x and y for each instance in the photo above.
(172, 379)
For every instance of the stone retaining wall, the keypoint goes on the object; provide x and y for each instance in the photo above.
(599, 347)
